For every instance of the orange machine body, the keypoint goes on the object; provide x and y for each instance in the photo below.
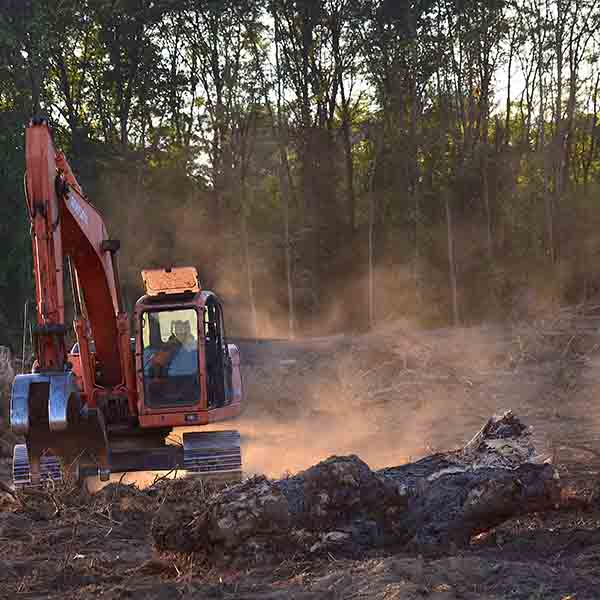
(111, 386)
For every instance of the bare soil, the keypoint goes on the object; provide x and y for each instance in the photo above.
(389, 396)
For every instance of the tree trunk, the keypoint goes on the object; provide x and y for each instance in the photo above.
(452, 261)
(349, 163)
(485, 192)
(417, 267)
(342, 508)
(511, 50)
(592, 134)
(559, 132)
(371, 259)
(285, 178)
(284, 182)
(247, 259)
(548, 201)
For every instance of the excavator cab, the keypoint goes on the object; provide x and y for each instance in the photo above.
(170, 353)
(187, 372)
(177, 346)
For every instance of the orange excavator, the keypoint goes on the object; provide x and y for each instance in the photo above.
(109, 404)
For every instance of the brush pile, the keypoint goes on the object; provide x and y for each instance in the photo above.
(569, 334)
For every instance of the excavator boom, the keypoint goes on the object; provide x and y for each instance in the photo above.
(44, 214)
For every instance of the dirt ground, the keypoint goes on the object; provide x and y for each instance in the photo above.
(391, 396)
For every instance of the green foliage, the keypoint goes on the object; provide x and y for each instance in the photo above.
(15, 271)
(273, 139)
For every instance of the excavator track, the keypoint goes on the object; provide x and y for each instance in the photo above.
(50, 468)
(213, 456)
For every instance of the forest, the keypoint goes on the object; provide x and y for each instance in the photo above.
(328, 165)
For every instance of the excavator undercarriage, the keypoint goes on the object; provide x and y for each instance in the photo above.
(212, 456)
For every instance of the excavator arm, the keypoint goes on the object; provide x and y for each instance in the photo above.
(65, 224)
(44, 215)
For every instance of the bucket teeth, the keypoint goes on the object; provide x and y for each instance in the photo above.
(213, 455)
(50, 468)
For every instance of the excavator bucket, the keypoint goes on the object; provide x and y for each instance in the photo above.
(213, 456)
(45, 409)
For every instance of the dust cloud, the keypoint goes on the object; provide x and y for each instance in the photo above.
(400, 392)
(390, 396)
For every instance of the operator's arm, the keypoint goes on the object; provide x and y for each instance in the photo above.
(162, 358)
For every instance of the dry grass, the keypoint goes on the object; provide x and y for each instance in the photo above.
(411, 390)
(569, 334)
(63, 536)
(7, 375)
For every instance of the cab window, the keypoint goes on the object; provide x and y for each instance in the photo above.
(170, 357)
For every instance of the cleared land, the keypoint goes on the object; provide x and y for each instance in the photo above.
(390, 397)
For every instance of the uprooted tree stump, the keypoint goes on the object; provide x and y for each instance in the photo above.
(341, 506)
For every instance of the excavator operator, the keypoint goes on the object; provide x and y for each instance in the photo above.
(178, 355)
(182, 332)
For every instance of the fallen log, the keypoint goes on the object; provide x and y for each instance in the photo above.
(341, 507)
